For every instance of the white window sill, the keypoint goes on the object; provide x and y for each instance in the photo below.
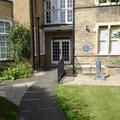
(105, 4)
(114, 54)
(3, 59)
(108, 54)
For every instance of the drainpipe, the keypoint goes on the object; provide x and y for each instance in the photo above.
(73, 36)
(38, 34)
(38, 19)
(32, 25)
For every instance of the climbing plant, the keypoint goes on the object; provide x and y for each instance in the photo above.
(19, 43)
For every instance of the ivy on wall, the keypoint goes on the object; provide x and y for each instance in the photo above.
(19, 47)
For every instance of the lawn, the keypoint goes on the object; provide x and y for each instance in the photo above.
(82, 102)
(8, 110)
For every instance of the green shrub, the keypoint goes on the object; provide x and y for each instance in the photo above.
(19, 47)
(76, 71)
(116, 61)
(17, 70)
(105, 1)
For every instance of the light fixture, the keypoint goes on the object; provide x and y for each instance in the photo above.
(86, 27)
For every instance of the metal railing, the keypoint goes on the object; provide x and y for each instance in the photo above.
(60, 69)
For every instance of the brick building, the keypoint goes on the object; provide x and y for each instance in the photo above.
(65, 29)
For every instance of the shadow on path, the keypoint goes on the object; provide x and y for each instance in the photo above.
(39, 102)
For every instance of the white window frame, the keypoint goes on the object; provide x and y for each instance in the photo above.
(114, 40)
(60, 41)
(110, 25)
(102, 40)
(58, 9)
(5, 34)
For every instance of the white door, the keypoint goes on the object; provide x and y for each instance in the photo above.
(60, 49)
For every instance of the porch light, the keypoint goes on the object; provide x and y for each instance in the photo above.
(86, 27)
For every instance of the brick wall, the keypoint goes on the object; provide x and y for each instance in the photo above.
(6, 10)
(91, 16)
(21, 11)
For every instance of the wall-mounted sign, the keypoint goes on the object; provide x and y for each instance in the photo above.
(86, 48)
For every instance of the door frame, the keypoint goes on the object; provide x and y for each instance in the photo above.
(60, 45)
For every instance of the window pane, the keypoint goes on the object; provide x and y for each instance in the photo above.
(4, 26)
(1, 30)
(7, 26)
(58, 11)
(1, 24)
(3, 49)
(54, 4)
(62, 3)
(69, 4)
(3, 55)
(63, 16)
(113, 32)
(48, 5)
(114, 47)
(69, 13)
(2, 44)
(2, 38)
(102, 47)
(103, 34)
(55, 16)
(48, 16)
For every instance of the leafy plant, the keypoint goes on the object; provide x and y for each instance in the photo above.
(116, 61)
(105, 1)
(117, 35)
(19, 47)
(17, 70)
(102, 1)
(76, 71)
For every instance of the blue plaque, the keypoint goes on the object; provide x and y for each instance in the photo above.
(86, 48)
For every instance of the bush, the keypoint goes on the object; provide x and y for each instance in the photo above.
(116, 61)
(104, 1)
(19, 47)
(17, 70)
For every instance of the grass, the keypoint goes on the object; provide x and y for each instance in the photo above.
(84, 102)
(8, 110)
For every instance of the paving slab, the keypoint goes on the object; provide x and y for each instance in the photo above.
(39, 102)
(14, 91)
(87, 80)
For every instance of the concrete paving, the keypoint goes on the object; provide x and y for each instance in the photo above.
(14, 91)
(39, 102)
(90, 80)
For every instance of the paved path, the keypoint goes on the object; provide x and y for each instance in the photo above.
(39, 102)
(15, 90)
